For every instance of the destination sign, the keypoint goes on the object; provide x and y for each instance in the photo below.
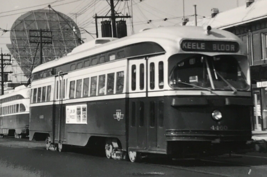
(210, 46)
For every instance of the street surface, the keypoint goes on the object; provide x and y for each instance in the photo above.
(21, 158)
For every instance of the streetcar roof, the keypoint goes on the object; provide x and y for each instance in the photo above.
(168, 38)
(23, 91)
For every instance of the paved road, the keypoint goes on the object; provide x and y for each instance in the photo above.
(30, 159)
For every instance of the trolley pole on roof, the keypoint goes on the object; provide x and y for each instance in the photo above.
(195, 7)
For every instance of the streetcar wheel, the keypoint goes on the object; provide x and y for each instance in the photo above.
(47, 143)
(109, 150)
(134, 156)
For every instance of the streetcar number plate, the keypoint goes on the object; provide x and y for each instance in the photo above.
(219, 127)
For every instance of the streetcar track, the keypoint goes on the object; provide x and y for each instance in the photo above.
(194, 170)
(175, 164)
(249, 156)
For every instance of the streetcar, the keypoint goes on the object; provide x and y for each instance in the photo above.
(172, 91)
(14, 112)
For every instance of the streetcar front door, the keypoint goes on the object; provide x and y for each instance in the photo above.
(58, 110)
(138, 111)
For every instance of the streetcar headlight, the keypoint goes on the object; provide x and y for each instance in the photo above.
(217, 115)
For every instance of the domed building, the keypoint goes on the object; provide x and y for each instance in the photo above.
(65, 36)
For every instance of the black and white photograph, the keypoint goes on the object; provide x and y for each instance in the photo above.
(133, 88)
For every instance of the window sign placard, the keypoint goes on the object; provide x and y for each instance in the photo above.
(262, 84)
(76, 114)
(210, 46)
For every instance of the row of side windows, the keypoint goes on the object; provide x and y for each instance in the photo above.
(152, 71)
(97, 85)
(41, 94)
(11, 109)
(15, 97)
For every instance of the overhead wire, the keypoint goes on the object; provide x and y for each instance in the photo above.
(42, 8)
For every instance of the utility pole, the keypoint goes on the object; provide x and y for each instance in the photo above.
(112, 8)
(195, 7)
(41, 37)
(5, 60)
(112, 17)
(96, 28)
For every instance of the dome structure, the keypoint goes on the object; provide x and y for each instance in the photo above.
(65, 36)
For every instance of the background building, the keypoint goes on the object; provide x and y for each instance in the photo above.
(65, 36)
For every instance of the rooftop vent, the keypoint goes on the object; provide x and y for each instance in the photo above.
(249, 2)
(214, 12)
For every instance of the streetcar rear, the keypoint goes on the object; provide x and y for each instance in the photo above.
(14, 112)
(210, 106)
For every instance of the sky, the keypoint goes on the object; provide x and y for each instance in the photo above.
(146, 13)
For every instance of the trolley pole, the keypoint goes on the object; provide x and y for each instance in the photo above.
(195, 7)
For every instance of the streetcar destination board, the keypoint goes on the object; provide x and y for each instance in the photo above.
(210, 46)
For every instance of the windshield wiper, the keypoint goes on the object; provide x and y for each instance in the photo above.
(232, 87)
(195, 86)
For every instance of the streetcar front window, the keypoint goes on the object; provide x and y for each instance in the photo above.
(220, 72)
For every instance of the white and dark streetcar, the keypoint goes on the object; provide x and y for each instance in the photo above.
(170, 90)
(14, 112)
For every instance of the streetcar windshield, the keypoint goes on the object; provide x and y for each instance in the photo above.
(222, 72)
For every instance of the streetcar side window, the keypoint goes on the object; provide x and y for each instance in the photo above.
(57, 90)
(43, 94)
(17, 108)
(73, 67)
(63, 89)
(72, 89)
(142, 114)
(94, 61)
(34, 95)
(79, 88)
(161, 75)
(48, 96)
(120, 82)
(93, 86)
(152, 119)
(112, 57)
(142, 76)
(85, 86)
(86, 63)
(101, 84)
(110, 84)
(39, 95)
(102, 59)
(22, 108)
(133, 77)
(152, 75)
(161, 113)
(133, 114)
(79, 65)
